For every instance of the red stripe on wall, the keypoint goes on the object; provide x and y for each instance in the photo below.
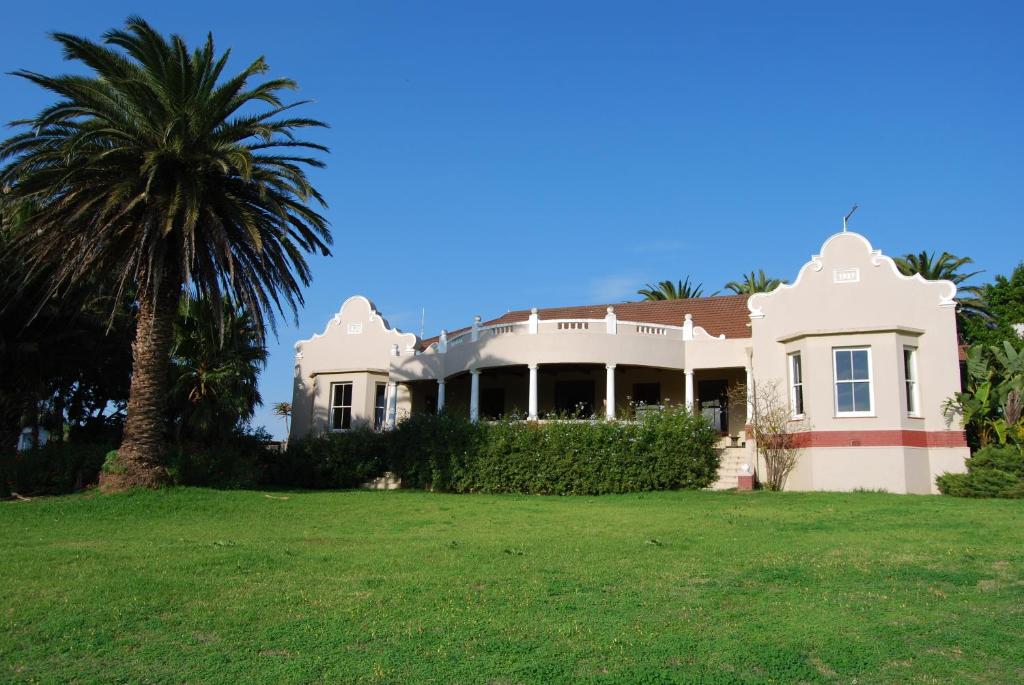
(881, 438)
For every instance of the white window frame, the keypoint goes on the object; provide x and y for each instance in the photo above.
(336, 407)
(794, 385)
(383, 408)
(911, 381)
(870, 380)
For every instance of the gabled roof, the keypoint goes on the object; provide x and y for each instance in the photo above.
(718, 315)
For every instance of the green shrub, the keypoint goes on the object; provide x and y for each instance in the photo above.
(332, 460)
(663, 450)
(431, 451)
(55, 468)
(236, 461)
(995, 471)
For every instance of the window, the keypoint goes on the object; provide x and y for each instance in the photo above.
(910, 380)
(853, 381)
(379, 405)
(341, 406)
(796, 385)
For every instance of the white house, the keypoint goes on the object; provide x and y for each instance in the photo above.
(865, 355)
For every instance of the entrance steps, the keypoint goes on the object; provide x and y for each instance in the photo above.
(729, 468)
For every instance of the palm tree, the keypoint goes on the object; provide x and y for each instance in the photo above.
(754, 282)
(215, 364)
(157, 171)
(667, 290)
(947, 267)
(284, 410)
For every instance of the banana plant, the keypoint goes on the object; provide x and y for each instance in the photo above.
(991, 404)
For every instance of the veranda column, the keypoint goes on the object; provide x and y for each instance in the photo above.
(532, 409)
(392, 411)
(609, 402)
(440, 395)
(474, 395)
(689, 390)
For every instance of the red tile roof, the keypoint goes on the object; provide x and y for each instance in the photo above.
(717, 315)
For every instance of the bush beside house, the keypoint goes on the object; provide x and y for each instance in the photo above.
(332, 460)
(996, 471)
(663, 450)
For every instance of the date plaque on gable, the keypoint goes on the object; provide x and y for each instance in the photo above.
(355, 328)
(846, 275)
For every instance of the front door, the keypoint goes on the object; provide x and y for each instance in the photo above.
(713, 403)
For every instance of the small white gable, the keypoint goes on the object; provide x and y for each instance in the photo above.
(357, 337)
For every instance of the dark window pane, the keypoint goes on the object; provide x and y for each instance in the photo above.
(492, 403)
(347, 394)
(798, 375)
(574, 398)
(798, 393)
(844, 397)
(647, 393)
(843, 365)
(379, 406)
(338, 394)
(336, 419)
(862, 397)
(908, 363)
(860, 365)
(346, 417)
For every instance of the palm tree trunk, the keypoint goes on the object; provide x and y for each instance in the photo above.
(140, 459)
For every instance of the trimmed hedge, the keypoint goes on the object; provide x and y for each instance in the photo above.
(664, 450)
(996, 471)
(332, 460)
(668, 449)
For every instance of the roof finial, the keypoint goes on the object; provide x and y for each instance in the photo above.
(849, 214)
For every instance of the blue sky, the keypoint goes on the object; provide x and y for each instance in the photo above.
(490, 157)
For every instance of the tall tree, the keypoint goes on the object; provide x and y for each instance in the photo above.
(667, 290)
(158, 170)
(754, 282)
(215, 365)
(948, 267)
(1004, 300)
(63, 364)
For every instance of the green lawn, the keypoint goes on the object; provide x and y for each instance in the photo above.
(207, 586)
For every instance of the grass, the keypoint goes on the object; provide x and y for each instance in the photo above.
(189, 585)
